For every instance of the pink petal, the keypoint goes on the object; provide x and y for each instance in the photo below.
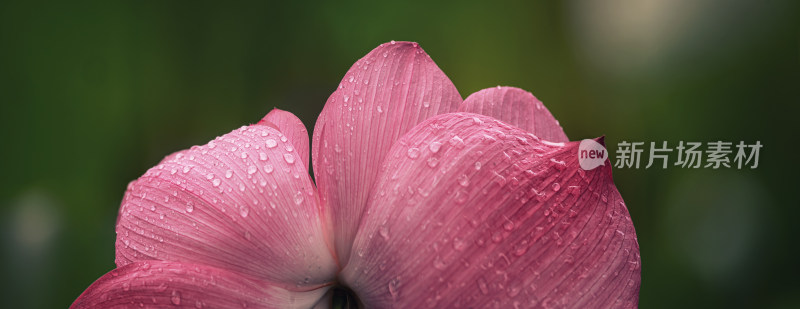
(243, 202)
(516, 107)
(471, 212)
(293, 128)
(159, 284)
(382, 96)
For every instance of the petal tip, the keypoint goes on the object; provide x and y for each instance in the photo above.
(404, 46)
(601, 140)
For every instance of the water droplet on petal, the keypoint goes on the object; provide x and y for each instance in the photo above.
(439, 264)
(482, 286)
(268, 168)
(216, 182)
(251, 169)
(288, 157)
(459, 244)
(393, 285)
(559, 165)
(229, 174)
(384, 232)
(413, 152)
(175, 298)
(457, 142)
(298, 198)
(435, 146)
(189, 206)
(463, 180)
(271, 143)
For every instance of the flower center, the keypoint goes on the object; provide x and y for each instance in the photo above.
(344, 298)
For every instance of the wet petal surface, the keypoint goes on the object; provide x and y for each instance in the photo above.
(471, 212)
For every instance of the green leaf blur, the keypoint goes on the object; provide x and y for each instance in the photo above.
(93, 94)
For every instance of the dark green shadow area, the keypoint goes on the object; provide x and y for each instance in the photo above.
(93, 94)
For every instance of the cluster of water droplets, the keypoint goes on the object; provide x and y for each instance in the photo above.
(544, 199)
(252, 170)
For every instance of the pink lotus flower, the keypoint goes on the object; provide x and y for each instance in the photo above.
(420, 200)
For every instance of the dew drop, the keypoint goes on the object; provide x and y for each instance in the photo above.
(482, 286)
(263, 156)
(393, 284)
(384, 232)
(435, 146)
(559, 165)
(457, 142)
(439, 264)
(298, 198)
(271, 143)
(556, 186)
(251, 169)
(509, 225)
(459, 244)
(175, 298)
(288, 157)
(189, 206)
(463, 180)
(413, 152)
(497, 237)
(521, 248)
(229, 174)
(244, 211)
(268, 168)
(216, 182)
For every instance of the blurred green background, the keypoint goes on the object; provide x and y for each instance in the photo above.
(93, 94)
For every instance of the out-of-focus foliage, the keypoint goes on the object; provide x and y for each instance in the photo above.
(93, 94)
